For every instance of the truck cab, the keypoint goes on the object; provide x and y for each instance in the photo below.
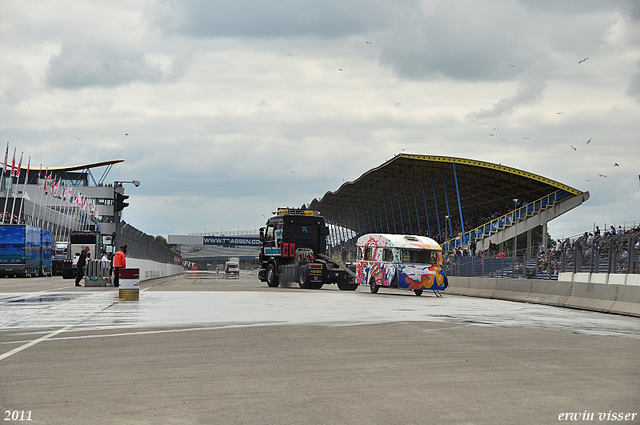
(294, 249)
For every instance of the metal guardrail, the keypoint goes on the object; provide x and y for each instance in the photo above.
(602, 254)
(143, 246)
(544, 266)
(613, 254)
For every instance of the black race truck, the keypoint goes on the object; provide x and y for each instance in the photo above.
(294, 250)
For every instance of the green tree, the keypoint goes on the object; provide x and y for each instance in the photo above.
(161, 239)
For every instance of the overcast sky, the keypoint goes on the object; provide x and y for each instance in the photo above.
(228, 109)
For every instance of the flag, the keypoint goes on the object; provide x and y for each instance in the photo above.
(19, 167)
(6, 158)
(13, 163)
(55, 187)
(28, 170)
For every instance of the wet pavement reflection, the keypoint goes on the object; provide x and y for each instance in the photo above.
(285, 306)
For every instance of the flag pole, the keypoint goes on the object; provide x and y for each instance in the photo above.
(6, 199)
(13, 206)
(24, 189)
(39, 220)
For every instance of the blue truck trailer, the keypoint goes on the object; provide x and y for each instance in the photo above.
(25, 251)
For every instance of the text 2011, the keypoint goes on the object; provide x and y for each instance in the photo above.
(17, 415)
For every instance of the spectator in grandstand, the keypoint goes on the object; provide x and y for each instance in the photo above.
(597, 232)
(119, 261)
(472, 248)
(613, 230)
(557, 251)
(82, 261)
(492, 249)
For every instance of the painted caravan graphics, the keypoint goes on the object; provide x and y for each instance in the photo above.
(400, 261)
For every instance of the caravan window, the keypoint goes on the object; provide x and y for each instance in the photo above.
(419, 256)
(368, 253)
(387, 255)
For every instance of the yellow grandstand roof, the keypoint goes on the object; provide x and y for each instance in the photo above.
(409, 186)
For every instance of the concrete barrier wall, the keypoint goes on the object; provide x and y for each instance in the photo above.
(609, 298)
(152, 270)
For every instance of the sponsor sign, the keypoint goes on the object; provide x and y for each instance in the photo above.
(231, 240)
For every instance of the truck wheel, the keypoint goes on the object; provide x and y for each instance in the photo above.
(373, 286)
(418, 292)
(272, 276)
(346, 286)
(303, 277)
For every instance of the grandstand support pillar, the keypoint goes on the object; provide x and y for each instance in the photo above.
(446, 201)
(372, 213)
(406, 198)
(455, 178)
(355, 224)
(361, 213)
(529, 242)
(393, 214)
(426, 210)
(415, 201)
(386, 216)
(400, 208)
(544, 236)
(435, 203)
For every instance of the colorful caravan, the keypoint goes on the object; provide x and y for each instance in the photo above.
(400, 261)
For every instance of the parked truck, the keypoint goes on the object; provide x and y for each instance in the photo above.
(294, 249)
(24, 251)
(60, 255)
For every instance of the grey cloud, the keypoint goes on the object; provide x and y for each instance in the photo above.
(633, 89)
(525, 95)
(85, 64)
(275, 18)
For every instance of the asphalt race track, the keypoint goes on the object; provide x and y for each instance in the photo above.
(201, 349)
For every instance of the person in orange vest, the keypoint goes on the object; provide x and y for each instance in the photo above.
(119, 261)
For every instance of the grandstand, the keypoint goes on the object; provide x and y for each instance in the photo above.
(455, 201)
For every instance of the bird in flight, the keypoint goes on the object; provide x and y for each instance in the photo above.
(525, 138)
(368, 42)
(571, 146)
(559, 113)
(79, 139)
(582, 60)
(589, 141)
(615, 164)
(340, 69)
(602, 175)
(511, 65)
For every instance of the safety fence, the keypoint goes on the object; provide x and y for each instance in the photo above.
(512, 266)
(612, 254)
(618, 253)
(143, 246)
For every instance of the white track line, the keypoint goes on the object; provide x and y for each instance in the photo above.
(52, 334)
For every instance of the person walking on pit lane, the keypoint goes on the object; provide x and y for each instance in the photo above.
(119, 261)
(80, 265)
